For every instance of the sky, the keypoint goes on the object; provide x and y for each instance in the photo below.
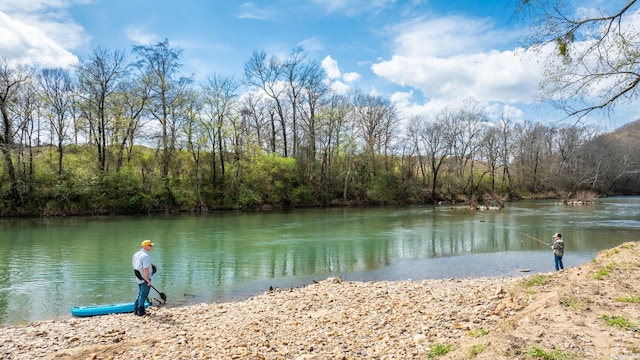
(423, 55)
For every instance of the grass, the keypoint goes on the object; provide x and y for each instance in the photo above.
(478, 349)
(478, 333)
(603, 273)
(619, 321)
(536, 280)
(439, 350)
(557, 354)
(629, 299)
(575, 302)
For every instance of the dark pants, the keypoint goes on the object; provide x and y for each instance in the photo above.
(558, 261)
(143, 294)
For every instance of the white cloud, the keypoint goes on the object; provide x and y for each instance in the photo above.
(37, 5)
(351, 77)
(339, 87)
(497, 111)
(339, 82)
(409, 107)
(312, 44)
(492, 76)
(40, 32)
(451, 59)
(330, 67)
(251, 12)
(141, 37)
(353, 7)
(448, 36)
(28, 44)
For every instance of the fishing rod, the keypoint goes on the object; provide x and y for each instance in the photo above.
(536, 239)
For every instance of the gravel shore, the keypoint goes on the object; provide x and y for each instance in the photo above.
(564, 315)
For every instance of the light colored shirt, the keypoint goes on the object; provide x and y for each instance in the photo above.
(142, 260)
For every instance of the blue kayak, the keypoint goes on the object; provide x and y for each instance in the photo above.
(94, 310)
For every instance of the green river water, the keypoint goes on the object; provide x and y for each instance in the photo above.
(48, 265)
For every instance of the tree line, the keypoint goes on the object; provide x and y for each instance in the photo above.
(120, 135)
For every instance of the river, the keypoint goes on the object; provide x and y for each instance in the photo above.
(48, 265)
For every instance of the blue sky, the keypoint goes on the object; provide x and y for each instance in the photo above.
(423, 55)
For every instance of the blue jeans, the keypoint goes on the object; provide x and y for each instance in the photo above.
(558, 261)
(143, 294)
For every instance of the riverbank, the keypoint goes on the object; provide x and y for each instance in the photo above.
(587, 312)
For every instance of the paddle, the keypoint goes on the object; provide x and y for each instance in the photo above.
(139, 276)
(536, 239)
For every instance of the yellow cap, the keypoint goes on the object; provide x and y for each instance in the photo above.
(147, 243)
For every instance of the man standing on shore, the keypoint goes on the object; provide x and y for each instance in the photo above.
(558, 250)
(142, 262)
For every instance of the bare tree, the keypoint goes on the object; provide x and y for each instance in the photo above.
(256, 109)
(506, 148)
(129, 105)
(220, 96)
(57, 93)
(266, 75)
(314, 100)
(331, 124)
(570, 144)
(622, 161)
(596, 62)
(432, 147)
(463, 130)
(99, 76)
(28, 107)
(12, 79)
(376, 119)
(294, 73)
(159, 67)
(490, 150)
(195, 140)
(533, 154)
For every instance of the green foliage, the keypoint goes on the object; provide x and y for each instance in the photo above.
(634, 299)
(248, 198)
(575, 302)
(619, 321)
(382, 189)
(557, 354)
(477, 349)
(303, 195)
(535, 280)
(439, 349)
(604, 272)
(478, 333)
(266, 179)
(251, 180)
